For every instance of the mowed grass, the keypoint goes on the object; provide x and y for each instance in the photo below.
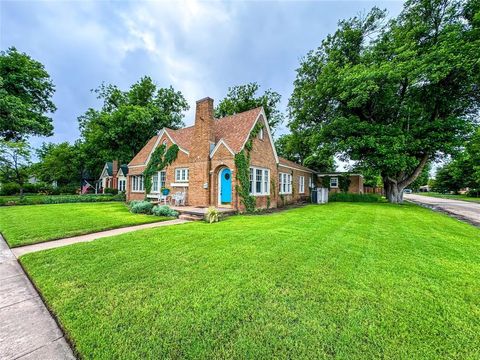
(24, 225)
(350, 281)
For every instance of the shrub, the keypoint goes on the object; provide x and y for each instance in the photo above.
(58, 199)
(349, 197)
(119, 197)
(212, 215)
(68, 189)
(164, 210)
(10, 189)
(111, 191)
(141, 207)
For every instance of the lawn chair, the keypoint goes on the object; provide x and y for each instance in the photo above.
(179, 198)
(163, 196)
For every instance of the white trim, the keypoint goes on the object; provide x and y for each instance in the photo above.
(181, 184)
(133, 182)
(264, 192)
(288, 181)
(301, 184)
(179, 179)
(135, 166)
(336, 186)
(102, 176)
(218, 146)
(262, 112)
(160, 134)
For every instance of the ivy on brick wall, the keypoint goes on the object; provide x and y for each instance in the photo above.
(158, 161)
(242, 163)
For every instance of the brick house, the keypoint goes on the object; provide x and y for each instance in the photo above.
(205, 166)
(356, 182)
(113, 176)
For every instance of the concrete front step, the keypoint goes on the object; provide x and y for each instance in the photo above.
(190, 217)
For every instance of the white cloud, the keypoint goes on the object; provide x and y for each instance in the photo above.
(180, 38)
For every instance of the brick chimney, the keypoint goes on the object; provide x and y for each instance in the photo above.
(204, 129)
(114, 167)
(204, 134)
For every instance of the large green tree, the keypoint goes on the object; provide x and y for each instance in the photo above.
(245, 97)
(394, 94)
(59, 162)
(14, 162)
(304, 149)
(127, 120)
(26, 92)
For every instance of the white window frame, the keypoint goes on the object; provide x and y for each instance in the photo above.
(310, 182)
(158, 181)
(285, 180)
(301, 184)
(121, 184)
(262, 177)
(335, 179)
(181, 175)
(260, 134)
(138, 183)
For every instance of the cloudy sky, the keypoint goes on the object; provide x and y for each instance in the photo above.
(201, 48)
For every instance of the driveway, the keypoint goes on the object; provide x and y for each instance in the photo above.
(463, 210)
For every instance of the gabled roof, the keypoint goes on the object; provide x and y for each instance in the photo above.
(292, 164)
(233, 130)
(124, 169)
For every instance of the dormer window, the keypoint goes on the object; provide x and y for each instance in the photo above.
(260, 134)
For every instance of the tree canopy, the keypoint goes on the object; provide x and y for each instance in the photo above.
(14, 162)
(127, 120)
(394, 94)
(244, 97)
(59, 162)
(26, 92)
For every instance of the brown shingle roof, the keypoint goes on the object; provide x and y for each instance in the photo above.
(142, 155)
(286, 162)
(234, 130)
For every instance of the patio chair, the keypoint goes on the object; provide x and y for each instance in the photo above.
(179, 198)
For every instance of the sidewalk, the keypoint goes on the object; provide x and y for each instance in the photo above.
(19, 251)
(27, 330)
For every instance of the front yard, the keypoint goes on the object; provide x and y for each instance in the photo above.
(30, 224)
(343, 280)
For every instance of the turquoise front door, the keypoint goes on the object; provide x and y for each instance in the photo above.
(225, 186)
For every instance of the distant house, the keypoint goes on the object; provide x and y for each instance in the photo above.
(205, 172)
(356, 182)
(113, 176)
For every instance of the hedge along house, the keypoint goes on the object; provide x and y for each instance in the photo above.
(113, 176)
(206, 170)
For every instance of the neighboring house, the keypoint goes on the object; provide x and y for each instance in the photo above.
(205, 170)
(356, 182)
(113, 176)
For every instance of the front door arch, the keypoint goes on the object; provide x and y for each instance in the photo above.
(225, 186)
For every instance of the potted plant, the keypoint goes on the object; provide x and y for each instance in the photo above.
(165, 191)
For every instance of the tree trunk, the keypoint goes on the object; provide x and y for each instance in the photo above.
(21, 191)
(393, 191)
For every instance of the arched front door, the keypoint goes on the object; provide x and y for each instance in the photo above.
(225, 186)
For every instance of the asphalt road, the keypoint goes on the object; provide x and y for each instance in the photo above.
(464, 210)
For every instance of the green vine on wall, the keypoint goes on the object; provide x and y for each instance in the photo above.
(242, 163)
(158, 161)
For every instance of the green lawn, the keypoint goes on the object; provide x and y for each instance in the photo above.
(344, 280)
(450, 196)
(23, 225)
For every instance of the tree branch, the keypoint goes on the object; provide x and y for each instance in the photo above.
(416, 172)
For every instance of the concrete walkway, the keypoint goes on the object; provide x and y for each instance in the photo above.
(463, 210)
(27, 330)
(19, 251)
